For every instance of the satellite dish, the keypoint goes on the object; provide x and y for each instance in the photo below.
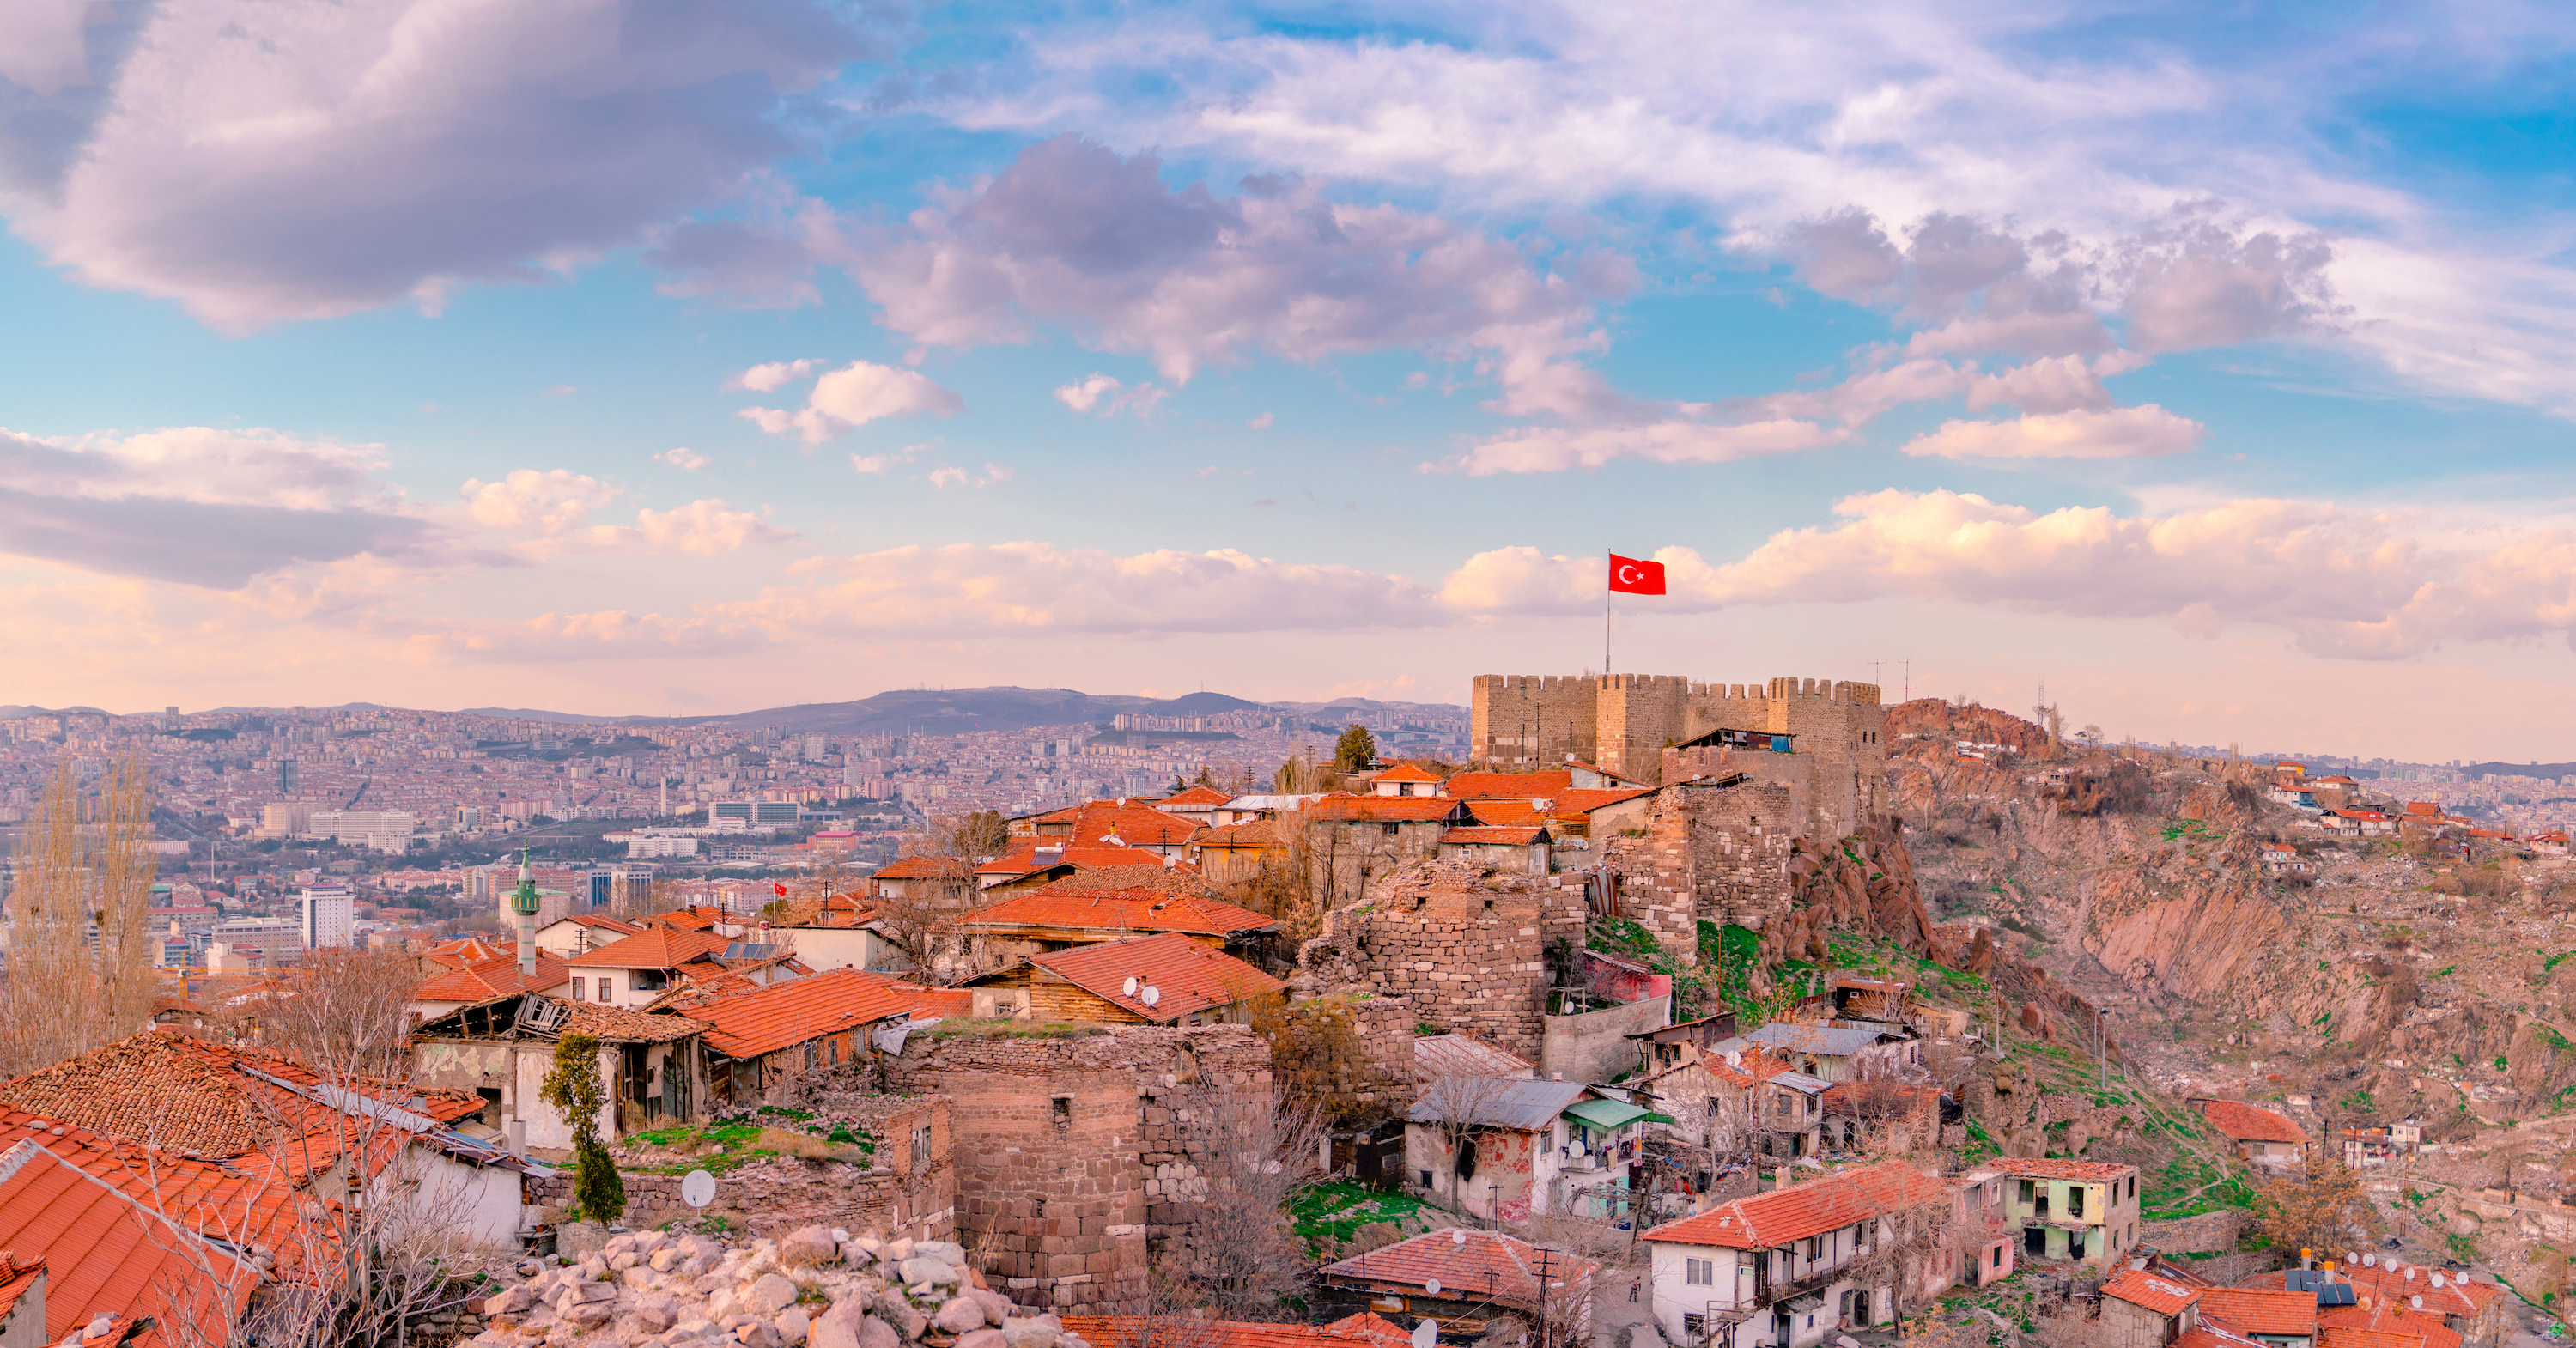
(2410, 1273)
(1425, 1334)
(2370, 1261)
(1151, 996)
(2437, 1280)
(1132, 985)
(2415, 1302)
(697, 1188)
(1458, 1236)
(1431, 1285)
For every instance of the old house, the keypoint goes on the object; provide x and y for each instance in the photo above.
(496, 976)
(1169, 979)
(2142, 1309)
(579, 933)
(2269, 1140)
(917, 876)
(1464, 1280)
(1672, 1045)
(1882, 1115)
(1229, 853)
(1796, 1266)
(1406, 779)
(1037, 860)
(1984, 1240)
(1507, 1150)
(840, 932)
(636, 969)
(654, 1066)
(759, 1038)
(1521, 849)
(1838, 1052)
(2078, 1211)
(1365, 833)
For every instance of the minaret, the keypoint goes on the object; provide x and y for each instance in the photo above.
(524, 903)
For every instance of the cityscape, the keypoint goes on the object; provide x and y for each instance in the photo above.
(812, 674)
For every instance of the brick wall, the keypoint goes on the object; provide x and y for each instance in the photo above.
(1469, 953)
(1065, 1147)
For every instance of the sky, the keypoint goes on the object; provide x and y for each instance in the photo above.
(2206, 364)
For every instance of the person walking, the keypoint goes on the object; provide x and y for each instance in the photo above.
(1633, 1285)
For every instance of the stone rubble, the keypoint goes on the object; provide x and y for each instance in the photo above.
(817, 1286)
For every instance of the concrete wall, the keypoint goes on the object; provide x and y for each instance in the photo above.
(1592, 1046)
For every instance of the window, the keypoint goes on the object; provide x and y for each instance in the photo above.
(921, 1148)
(1815, 1248)
(2133, 1186)
(1423, 1178)
(1699, 1272)
(1061, 1109)
(607, 989)
(1390, 830)
(1712, 1105)
(576, 989)
(1995, 1256)
(2029, 1191)
(2075, 1200)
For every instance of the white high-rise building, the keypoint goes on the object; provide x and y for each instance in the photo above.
(330, 917)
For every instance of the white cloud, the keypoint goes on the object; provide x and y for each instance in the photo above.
(199, 505)
(2121, 433)
(1541, 449)
(1072, 234)
(855, 395)
(685, 459)
(704, 528)
(959, 477)
(1261, 422)
(262, 163)
(536, 504)
(773, 376)
(1111, 396)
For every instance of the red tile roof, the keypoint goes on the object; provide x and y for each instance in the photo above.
(601, 922)
(1809, 1209)
(1249, 833)
(106, 1252)
(1494, 837)
(784, 1015)
(1339, 808)
(2345, 1336)
(1506, 813)
(2250, 1311)
(1585, 799)
(1190, 977)
(1138, 1331)
(2392, 1315)
(1407, 772)
(491, 978)
(1132, 824)
(697, 917)
(2457, 1295)
(927, 1002)
(1511, 785)
(656, 947)
(1117, 911)
(190, 1095)
(2042, 1167)
(921, 868)
(462, 951)
(2141, 1288)
(1486, 1264)
(1197, 795)
(1030, 854)
(2241, 1122)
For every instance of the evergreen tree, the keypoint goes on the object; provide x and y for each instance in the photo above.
(1355, 750)
(574, 1089)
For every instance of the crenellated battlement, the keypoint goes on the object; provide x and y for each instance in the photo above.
(1622, 722)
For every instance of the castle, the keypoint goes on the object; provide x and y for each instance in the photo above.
(1623, 722)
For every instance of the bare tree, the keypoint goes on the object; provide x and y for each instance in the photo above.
(1248, 1153)
(345, 1013)
(74, 880)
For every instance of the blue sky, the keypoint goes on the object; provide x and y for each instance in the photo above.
(2209, 364)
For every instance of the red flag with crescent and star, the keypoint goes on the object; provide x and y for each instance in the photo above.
(1628, 575)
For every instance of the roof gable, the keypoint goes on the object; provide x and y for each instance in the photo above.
(1809, 1209)
(1188, 976)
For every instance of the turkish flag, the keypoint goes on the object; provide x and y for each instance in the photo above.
(782, 889)
(1631, 576)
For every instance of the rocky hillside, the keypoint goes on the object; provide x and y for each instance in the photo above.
(2370, 982)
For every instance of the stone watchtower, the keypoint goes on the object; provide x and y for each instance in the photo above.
(1624, 722)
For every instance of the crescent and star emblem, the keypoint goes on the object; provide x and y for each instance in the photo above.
(1628, 575)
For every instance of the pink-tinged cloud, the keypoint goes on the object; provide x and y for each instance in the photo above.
(852, 396)
(1075, 236)
(1544, 449)
(2118, 433)
(260, 164)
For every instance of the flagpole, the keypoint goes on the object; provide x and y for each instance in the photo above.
(1605, 617)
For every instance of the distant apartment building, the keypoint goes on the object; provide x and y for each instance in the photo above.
(375, 830)
(754, 812)
(329, 917)
(285, 819)
(261, 942)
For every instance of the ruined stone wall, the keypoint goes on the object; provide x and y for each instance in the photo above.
(1466, 950)
(1350, 1053)
(1053, 1136)
(1717, 854)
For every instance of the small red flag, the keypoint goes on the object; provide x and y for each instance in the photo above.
(1628, 575)
(782, 888)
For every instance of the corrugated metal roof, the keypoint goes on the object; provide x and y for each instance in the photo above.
(1491, 1102)
(1439, 1055)
(1605, 1113)
(1818, 1039)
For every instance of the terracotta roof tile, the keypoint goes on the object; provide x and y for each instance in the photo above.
(1408, 772)
(491, 978)
(926, 1002)
(2251, 1311)
(1249, 833)
(1809, 1209)
(2393, 1316)
(2141, 1288)
(190, 1095)
(1386, 809)
(783, 1015)
(1157, 877)
(1494, 837)
(1191, 977)
(462, 951)
(1506, 813)
(1487, 1264)
(920, 868)
(2242, 1122)
(653, 948)
(1207, 796)
(1029, 854)
(1511, 785)
(2043, 1167)
(1116, 911)
(106, 1252)
(2343, 1336)
(2456, 1295)
(696, 917)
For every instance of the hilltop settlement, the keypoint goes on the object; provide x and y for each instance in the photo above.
(1676, 1015)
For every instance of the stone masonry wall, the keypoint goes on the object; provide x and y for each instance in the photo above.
(1060, 1156)
(1714, 853)
(1531, 720)
(1468, 951)
(1349, 1052)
